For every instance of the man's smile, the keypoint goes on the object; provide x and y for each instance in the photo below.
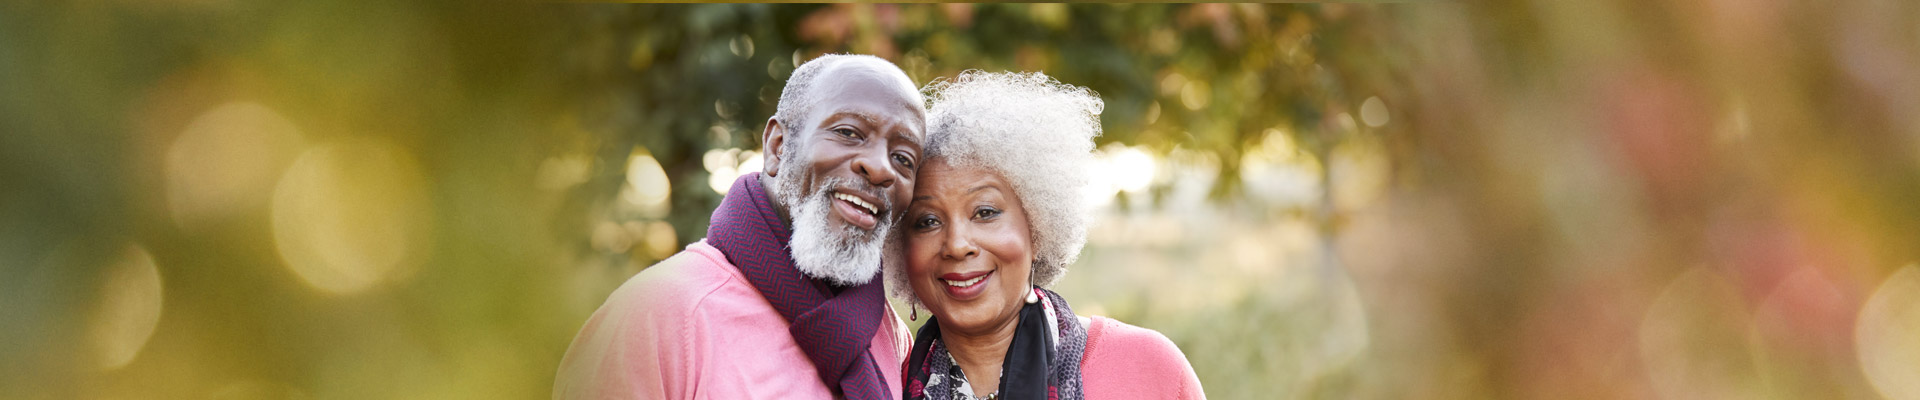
(856, 210)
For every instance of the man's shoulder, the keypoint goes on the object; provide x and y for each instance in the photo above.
(693, 296)
(680, 282)
(662, 333)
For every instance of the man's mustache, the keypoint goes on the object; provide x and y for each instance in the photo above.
(884, 200)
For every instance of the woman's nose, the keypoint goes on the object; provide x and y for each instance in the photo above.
(959, 247)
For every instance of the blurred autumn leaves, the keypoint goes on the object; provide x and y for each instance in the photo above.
(1694, 199)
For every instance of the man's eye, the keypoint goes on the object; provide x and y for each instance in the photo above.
(985, 213)
(903, 160)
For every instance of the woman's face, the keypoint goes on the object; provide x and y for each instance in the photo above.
(969, 251)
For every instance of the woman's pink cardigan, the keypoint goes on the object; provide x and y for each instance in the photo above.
(1129, 362)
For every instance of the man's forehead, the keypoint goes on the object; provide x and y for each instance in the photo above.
(870, 116)
(874, 67)
(869, 75)
(873, 94)
(863, 116)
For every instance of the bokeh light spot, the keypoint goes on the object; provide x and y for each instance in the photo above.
(611, 238)
(646, 179)
(1132, 169)
(349, 215)
(658, 240)
(720, 170)
(1359, 172)
(1373, 112)
(1277, 171)
(726, 165)
(752, 162)
(1099, 191)
(741, 46)
(129, 308)
(1692, 340)
(647, 186)
(558, 173)
(1196, 95)
(226, 161)
(1887, 336)
(1172, 83)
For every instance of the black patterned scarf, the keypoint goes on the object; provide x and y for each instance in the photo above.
(834, 330)
(1043, 362)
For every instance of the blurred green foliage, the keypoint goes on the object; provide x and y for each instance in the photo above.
(682, 79)
(1507, 199)
(1210, 82)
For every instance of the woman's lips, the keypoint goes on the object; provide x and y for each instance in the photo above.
(965, 286)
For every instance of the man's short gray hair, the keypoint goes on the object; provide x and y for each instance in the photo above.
(1037, 134)
(798, 98)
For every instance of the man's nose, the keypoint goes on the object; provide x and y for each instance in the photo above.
(873, 166)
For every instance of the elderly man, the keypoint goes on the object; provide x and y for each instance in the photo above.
(757, 310)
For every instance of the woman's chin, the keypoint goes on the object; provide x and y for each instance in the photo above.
(971, 318)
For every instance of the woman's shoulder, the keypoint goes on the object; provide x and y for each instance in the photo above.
(1111, 338)
(1120, 330)
(1133, 359)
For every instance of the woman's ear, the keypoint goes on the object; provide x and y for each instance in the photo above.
(771, 146)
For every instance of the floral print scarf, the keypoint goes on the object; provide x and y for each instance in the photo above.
(1042, 363)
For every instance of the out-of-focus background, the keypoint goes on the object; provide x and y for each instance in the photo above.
(1690, 199)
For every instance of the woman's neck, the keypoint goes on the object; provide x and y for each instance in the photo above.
(980, 355)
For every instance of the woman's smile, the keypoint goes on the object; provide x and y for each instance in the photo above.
(966, 286)
(978, 257)
(968, 252)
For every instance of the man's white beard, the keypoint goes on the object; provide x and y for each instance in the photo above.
(842, 256)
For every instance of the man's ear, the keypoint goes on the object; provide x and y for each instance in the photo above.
(771, 146)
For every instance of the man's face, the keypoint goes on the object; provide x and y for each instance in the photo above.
(850, 171)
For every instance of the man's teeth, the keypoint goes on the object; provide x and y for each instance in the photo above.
(965, 283)
(858, 202)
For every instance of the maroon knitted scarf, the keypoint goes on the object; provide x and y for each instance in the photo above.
(834, 330)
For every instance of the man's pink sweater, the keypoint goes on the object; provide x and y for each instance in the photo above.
(692, 327)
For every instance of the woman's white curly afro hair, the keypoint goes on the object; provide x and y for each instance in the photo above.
(1034, 131)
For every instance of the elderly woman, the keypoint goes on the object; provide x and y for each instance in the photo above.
(997, 215)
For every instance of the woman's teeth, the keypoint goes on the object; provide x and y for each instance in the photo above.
(858, 202)
(965, 283)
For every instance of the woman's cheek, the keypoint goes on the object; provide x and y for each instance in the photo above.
(1011, 248)
(919, 260)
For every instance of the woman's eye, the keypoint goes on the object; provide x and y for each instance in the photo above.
(925, 222)
(985, 213)
(848, 133)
